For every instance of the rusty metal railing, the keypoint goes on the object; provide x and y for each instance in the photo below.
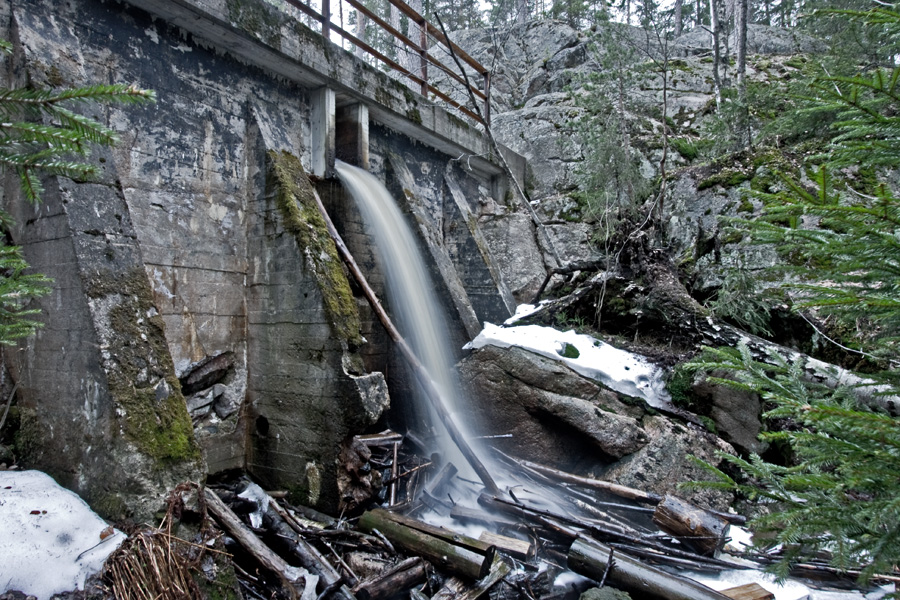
(429, 38)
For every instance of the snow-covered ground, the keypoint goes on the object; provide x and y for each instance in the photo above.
(50, 540)
(619, 370)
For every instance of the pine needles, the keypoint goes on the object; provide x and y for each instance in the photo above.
(41, 134)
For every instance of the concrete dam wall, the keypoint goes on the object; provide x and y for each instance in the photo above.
(199, 319)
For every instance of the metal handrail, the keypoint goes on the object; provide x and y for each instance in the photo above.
(421, 48)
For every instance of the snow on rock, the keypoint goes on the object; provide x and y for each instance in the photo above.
(50, 539)
(617, 369)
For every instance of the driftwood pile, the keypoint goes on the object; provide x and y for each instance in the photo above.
(546, 522)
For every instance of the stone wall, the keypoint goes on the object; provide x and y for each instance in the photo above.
(185, 291)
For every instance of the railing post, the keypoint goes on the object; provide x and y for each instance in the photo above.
(423, 56)
(326, 19)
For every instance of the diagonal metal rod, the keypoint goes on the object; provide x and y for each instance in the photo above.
(424, 379)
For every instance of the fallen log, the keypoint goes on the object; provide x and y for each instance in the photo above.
(304, 552)
(616, 489)
(512, 546)
(422, 376)
(592, 559)
(401, 577)
(473, 515)
(297, 580)
(457, 589)
(440, 552)
(699, 529)
(385, 438)
(448, 535)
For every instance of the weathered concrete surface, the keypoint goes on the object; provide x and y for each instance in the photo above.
(182, 246)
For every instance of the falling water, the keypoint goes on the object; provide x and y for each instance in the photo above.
(410, 291)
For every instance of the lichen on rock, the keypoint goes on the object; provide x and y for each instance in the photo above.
(294, 196)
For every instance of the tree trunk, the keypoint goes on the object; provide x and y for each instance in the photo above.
(362, 22)
(742, 15)
(592, 559)
(679, 22)
(717, 55)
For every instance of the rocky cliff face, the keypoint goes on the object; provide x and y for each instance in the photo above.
(542, 67)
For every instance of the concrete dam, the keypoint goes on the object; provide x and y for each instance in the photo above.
(199, 319)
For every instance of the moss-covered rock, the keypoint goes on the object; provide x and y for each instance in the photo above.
(139, 368)
(294, 196)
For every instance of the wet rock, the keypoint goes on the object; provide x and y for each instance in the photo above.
(555, 416)
(664, 463)
(604, 593)
(735, 412)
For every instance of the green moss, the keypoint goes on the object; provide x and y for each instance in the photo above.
(568, 351)
(140, 372)
(708, 423)
(294, 196)
(414, 115)
(257, 18)
(679, 387)
(685, 147)
(725, 178)
(745, 206)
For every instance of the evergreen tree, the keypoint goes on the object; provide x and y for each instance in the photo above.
(840, 495)
(40, 135)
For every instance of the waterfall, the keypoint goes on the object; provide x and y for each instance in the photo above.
(411, 295)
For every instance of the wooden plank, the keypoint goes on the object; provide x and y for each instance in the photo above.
(750, 591)
(512, 546)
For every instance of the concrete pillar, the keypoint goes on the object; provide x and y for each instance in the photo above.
(352, 131)
(321, 131)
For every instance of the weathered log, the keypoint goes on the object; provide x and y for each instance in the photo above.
(440, 552)
(401, 577)
(514, 547)
(385, 438)
(422, 376)
(750, 591)
(591, 559)
(448, 535)
(615, 488)
(457, 589)
(292, 576)
(699, 529)
(473, 515)
(287, 531)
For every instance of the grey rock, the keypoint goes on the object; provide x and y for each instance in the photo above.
(604, 593)
(736, 413)
(664, 463)
(554, 415)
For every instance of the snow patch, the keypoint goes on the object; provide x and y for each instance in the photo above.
(49, 537)
(619, 370)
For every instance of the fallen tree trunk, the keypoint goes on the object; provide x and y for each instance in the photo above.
(306, 554)
(457, 589)
(296, 579)
(592, 559)
(405, 575)
(699, 529)
(421, 374)
(444, 554)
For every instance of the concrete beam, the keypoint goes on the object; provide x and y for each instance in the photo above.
(299, 54)
(321, 132)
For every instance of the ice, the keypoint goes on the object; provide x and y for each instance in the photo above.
(619, 370)
(49, 537)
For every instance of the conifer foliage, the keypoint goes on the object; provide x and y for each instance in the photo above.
(839, 231)
(41, 134)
